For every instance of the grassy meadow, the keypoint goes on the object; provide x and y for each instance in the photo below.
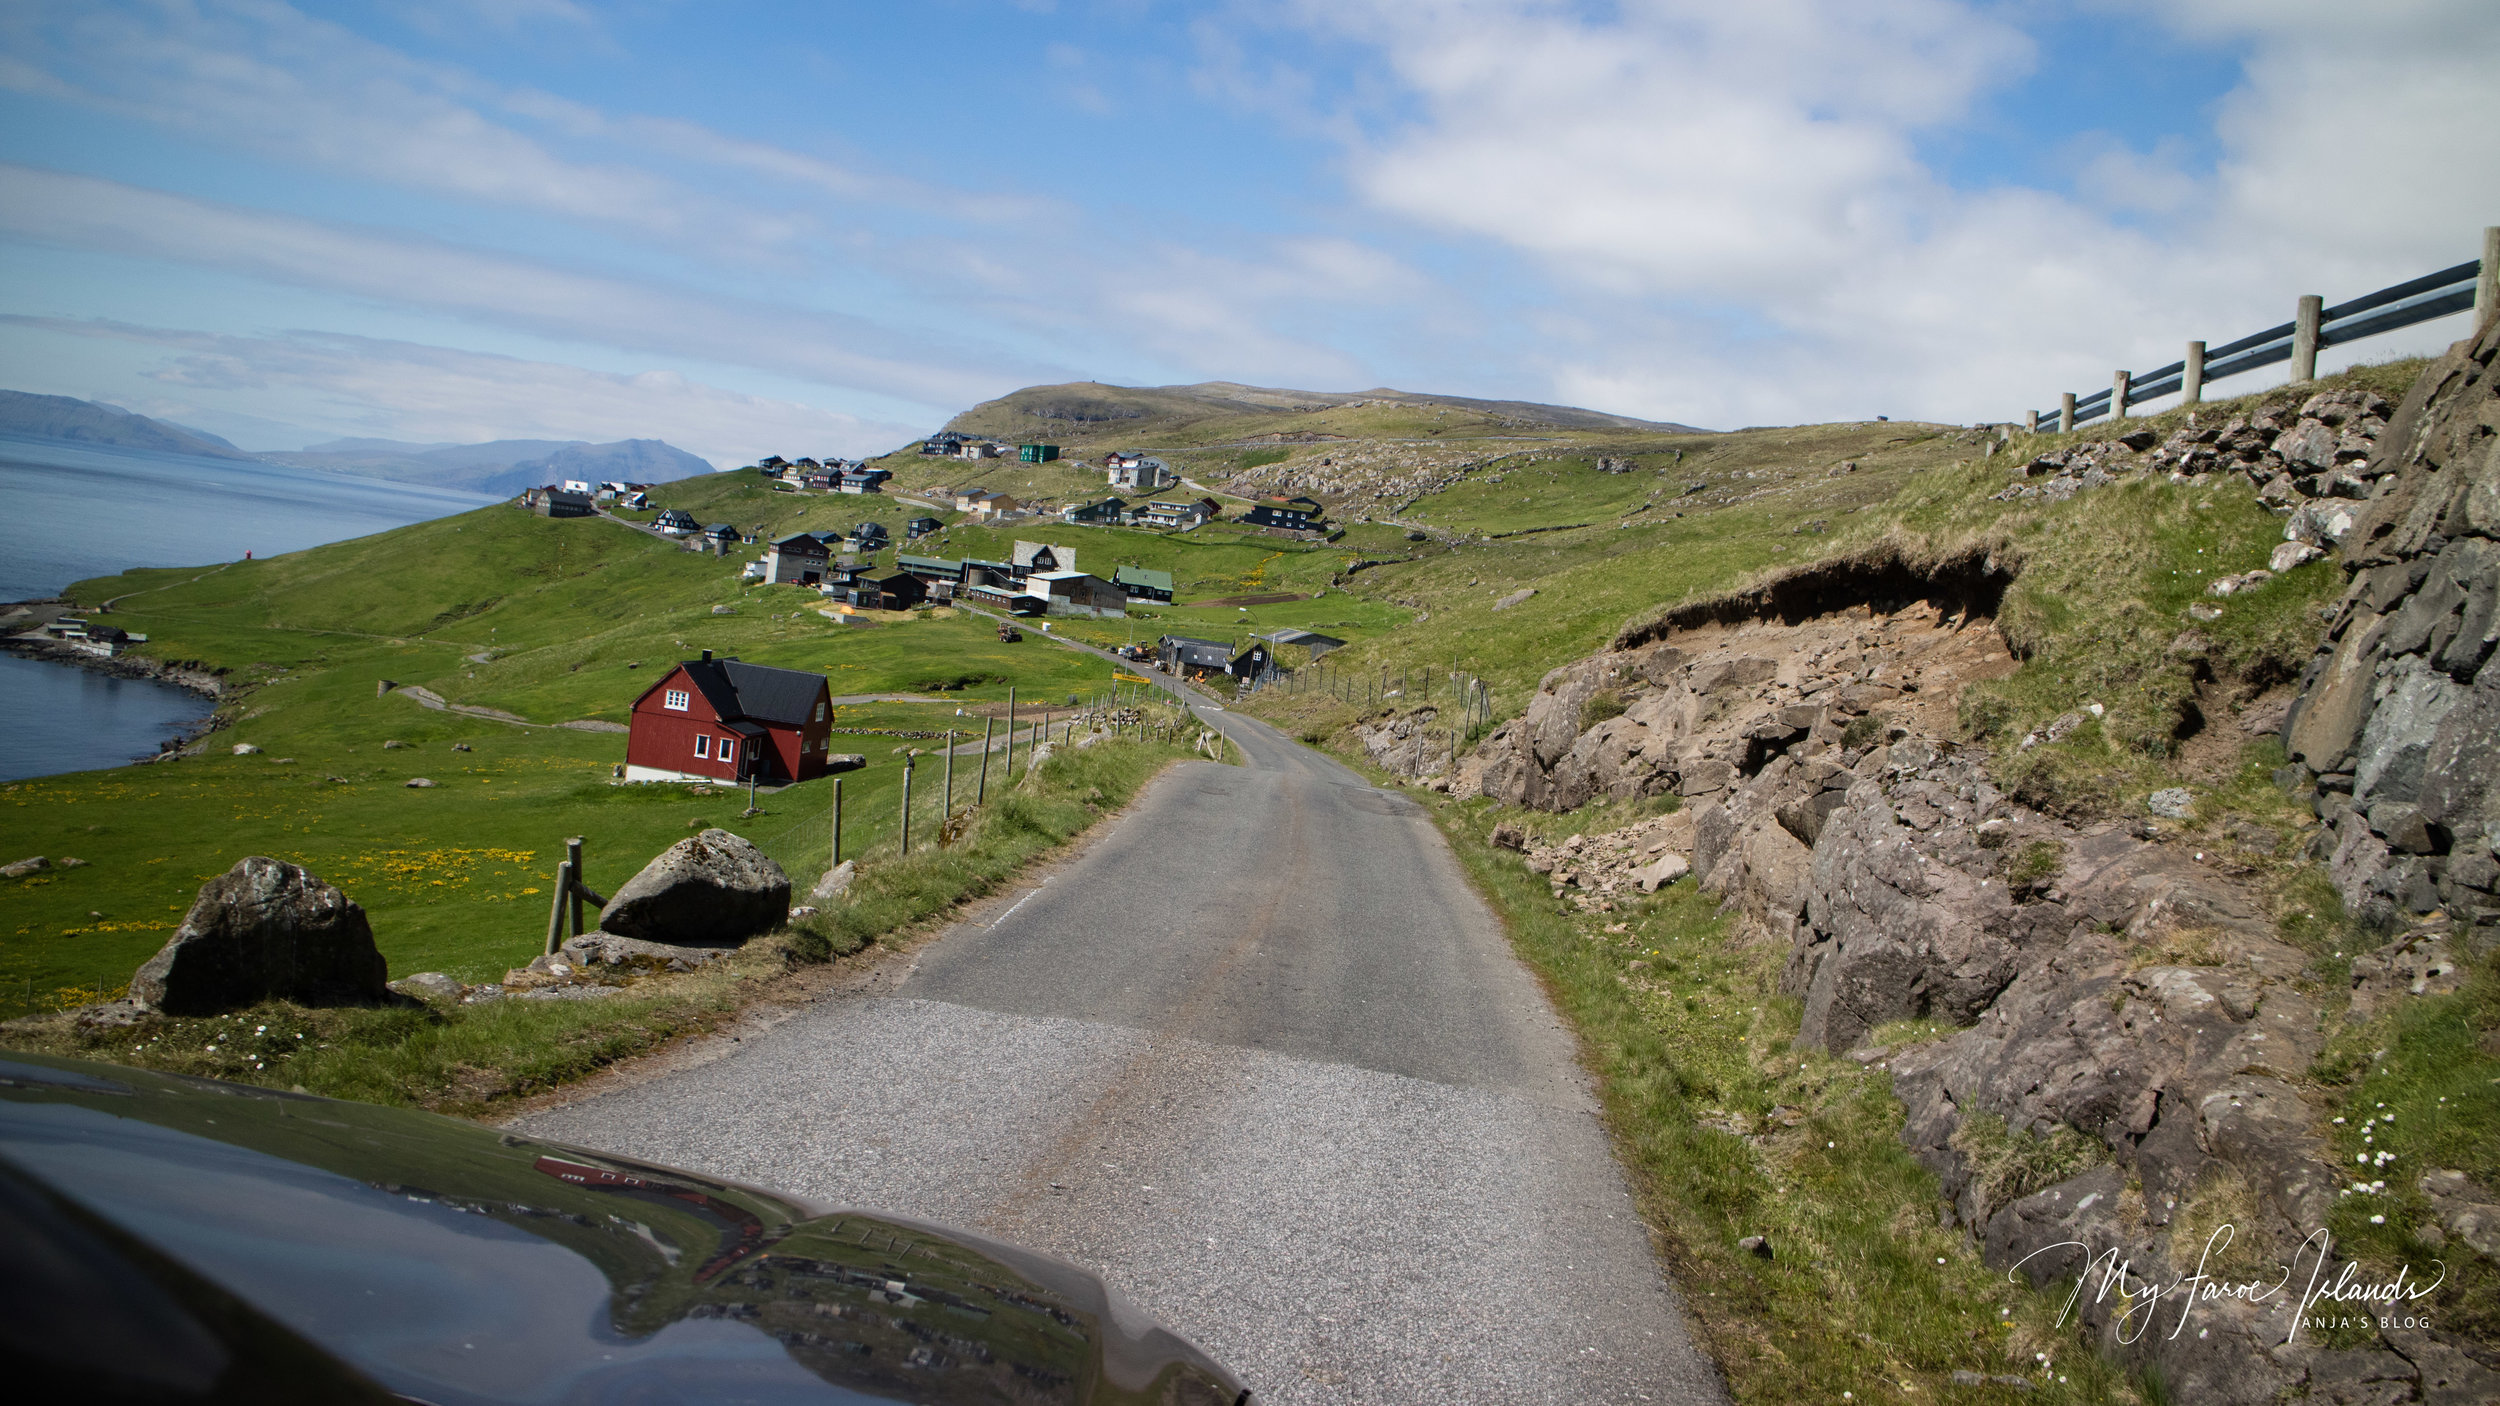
(546, 620)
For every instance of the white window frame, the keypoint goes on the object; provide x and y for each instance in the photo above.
(727, 752)
(820, 710)
(703, 745)
(677, 700)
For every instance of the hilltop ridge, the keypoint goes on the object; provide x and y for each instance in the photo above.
(1088, 409)
(89, 422)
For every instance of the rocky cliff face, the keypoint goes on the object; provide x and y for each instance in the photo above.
(2398, 722)
(2130, 1033)
(1700, 704)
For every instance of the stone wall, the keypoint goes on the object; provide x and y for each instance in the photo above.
(2398, 721)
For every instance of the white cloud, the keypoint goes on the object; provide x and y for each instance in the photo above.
(361, 386)
(1730, 200)
(267, 78)
(83, 212)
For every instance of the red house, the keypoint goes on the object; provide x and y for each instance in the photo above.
(723, 720)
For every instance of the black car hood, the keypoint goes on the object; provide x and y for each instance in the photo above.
(453, 1264)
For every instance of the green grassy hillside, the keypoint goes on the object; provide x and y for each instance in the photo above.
(548, 620)
(562, 620)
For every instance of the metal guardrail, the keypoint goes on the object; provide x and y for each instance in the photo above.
(2450, 290)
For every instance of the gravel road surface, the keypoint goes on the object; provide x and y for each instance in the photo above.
(1261, 1059)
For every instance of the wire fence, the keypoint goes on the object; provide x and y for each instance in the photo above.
(2314, 326)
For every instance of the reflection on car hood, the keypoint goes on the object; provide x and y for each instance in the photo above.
(454, 1264)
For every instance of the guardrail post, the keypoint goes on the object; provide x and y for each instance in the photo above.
(2031, 422)
(2192, 376)
(2487, 283)
(2118, 384)
(2066, 413)
(2305, 338)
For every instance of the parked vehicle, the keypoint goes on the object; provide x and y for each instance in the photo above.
(1010, 633)
(180, 1239)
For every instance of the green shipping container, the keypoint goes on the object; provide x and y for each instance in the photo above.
(1037, 453)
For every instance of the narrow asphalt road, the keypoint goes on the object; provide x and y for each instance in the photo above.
(1261, 1059)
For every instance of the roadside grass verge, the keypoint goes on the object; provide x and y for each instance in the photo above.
(2421, 1083)
(468, 1059)
(1729, 1132)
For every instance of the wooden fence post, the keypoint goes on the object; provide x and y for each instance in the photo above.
(1010, 773)
(837, 824)
(2487, 284)
(2119, 384)
(950, 774)
(907, 806)
(2066, 413)
(2305, 338)
(2192, 375)
(555, 912)
(573, 857)
(981, 789)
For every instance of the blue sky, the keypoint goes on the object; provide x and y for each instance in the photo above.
(750, 228)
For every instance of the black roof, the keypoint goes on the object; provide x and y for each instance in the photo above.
(740, 690)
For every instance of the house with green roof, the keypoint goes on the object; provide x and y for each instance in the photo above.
(1141, 584)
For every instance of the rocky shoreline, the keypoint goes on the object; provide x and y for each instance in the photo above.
(190, 676)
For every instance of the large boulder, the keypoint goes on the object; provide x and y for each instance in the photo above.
(264, 929)
(713, 890)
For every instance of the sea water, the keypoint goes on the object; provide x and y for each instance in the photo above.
(75, 511)
(63, 718)
(78, 510)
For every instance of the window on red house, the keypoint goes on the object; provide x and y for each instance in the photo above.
(728, 750)
(702, 744)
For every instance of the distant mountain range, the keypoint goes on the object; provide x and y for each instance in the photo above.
(498, 467)
(86, 422)
(502, 465)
